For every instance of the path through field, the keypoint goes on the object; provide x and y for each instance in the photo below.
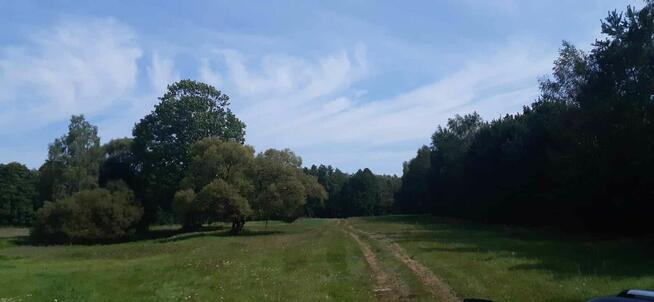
(388, 287)
(439, 290)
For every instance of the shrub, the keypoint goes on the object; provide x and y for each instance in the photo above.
(99, 215)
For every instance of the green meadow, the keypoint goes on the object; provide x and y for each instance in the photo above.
(316, 260)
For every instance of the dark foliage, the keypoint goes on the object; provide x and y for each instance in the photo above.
(73, 162)
(360, 194)
(225, 181)
(18, 195)
(581, 157)
(414, 190)
(99, 215)
(118, 163)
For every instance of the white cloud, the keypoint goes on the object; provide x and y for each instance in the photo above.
(283, 75)
(161, 73)
(282, 87)
(482, 86)
(313, 105)
(82, 66)
(301, 104)
(209, 76)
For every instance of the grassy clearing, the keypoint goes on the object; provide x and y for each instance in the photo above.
(518, 265)
(310, 260)
(315, 260)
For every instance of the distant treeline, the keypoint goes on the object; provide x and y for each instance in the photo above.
(581, 157)
(360, 194)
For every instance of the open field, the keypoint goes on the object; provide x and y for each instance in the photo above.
(309, 260)
(509, 264)
(413, 258)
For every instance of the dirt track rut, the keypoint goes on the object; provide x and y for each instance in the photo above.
(439, 290)
(387, 287)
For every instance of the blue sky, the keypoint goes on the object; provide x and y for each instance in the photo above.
(349, 83)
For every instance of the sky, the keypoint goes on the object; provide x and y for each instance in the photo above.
(352, 84)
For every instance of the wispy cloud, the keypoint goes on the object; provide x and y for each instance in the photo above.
(208, 75)
(161, 72)
(309, 105)
(288, 92)
(316, 103)
(81, 66)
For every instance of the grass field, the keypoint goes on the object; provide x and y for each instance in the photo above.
(510, 264)
(318, 260)
(308, 260)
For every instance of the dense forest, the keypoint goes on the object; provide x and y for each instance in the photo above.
(360, 194)
(581, 157)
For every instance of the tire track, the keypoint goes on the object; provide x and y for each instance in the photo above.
(387, 287)
(437, 287)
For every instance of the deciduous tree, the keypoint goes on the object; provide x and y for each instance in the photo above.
(73, 161)
(188, 112)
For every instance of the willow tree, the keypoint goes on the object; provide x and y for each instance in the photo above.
(225, 181)
(217, 184)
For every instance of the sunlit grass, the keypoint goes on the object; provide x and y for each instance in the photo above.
(310, 260)
(314, 260)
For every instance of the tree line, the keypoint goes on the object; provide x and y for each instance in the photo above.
(186, 163)
(360, 194)
(581, 157)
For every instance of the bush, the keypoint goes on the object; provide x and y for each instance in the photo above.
(99, 215)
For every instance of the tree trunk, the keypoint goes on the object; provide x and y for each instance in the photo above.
(191, 227)
(237, 225)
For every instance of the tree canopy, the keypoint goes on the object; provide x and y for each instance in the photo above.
(18, 195)
(225, 181)
(73, 161)
(281, 187)
(188, 112)
(360, 194)
(580, 157)
(217, 184)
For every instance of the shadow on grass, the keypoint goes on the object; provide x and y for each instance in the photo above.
(152, 234)
(250, 233)
(161, 235)
(223, 232)
(20, 240)
(185, 236)
(564, 255)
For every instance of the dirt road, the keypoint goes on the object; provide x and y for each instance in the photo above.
(389, 285)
